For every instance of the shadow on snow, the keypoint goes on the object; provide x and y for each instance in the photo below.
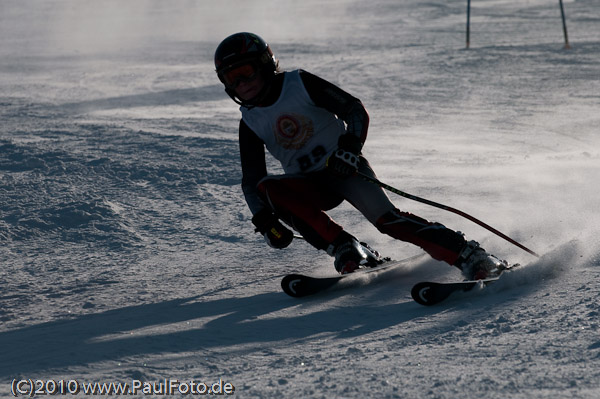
(235, 322)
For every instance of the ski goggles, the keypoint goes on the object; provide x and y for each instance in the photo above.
(233, 76)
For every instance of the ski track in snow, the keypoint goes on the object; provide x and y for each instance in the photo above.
(127, 250)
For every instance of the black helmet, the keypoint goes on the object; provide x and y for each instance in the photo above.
(244, 48)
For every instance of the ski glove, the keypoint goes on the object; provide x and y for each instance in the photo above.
(276, 234)
(344, 161)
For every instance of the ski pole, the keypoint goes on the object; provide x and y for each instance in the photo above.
(468, 23)
(564, 23)
(446, 208)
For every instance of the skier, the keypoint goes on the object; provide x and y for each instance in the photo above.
(317, 130)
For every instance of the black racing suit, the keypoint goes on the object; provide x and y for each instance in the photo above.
(302, 199)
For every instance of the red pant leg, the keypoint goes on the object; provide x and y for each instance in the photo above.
(438, 241)
(301, 204)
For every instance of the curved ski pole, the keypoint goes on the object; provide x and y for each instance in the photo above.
(446, 208)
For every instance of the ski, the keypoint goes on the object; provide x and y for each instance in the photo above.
(300, 285)
(430, 293)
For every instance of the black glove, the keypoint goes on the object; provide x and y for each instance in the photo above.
(276, 234)
(344, 161)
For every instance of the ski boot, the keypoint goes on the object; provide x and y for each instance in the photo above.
(374, 258)
(476, 264)
(348, 253)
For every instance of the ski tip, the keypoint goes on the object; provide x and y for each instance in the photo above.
(428, 293)
(421, 293)
(292, 285)
(298, 285)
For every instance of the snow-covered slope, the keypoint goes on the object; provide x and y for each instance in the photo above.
(127, 250)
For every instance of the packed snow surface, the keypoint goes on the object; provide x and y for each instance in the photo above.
(126, 247)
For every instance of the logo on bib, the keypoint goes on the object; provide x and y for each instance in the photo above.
(292, 131)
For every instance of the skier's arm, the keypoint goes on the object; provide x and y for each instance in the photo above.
(252, 154)
(254, 168)
(347, 107)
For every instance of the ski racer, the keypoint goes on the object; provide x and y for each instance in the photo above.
(317, 130)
